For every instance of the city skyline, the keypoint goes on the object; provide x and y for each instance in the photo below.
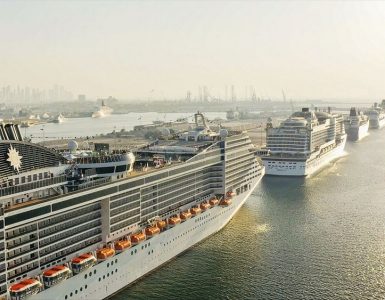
(152, 50)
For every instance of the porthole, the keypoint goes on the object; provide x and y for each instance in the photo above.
(76, 292)
(94, 271)
(85, 276)
(116, 270)
(116, 260)
(112, 263)
(85, 286)
(100, 279)
(81, 289)
(71, 294)
(66, 297)
(112, 272)
(108, 274)
(90, 274)
(104, 276)
(108, 264)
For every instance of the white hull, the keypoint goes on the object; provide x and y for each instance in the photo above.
(357, 133)
(377, 123)
(292, 167)
(114, 274)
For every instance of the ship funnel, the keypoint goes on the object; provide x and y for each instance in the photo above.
(353, 112)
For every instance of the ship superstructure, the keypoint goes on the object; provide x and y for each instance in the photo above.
(304, 143)
(356, 125)
(376, 115)
(85, 225)
(103, 111)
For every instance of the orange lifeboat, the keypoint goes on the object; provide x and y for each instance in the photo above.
(226, 202)
(151, 231)
(195, 211)
(122, 245)
(24, 288)
(213, 202)
(185, 215)
(204, 206)
(161, 224)
(138, 238)
(231, 194)
(82, 262)
(175, 220)
(105, 253)
(55, 275)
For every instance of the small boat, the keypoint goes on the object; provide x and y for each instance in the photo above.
(138, 238)
(213, 202)
(231, 194)
(226, 202)
(55, 275)
(195, 211)
(174, 220)
(205, 206)
(151, 231)
(105, 253)
(161, 224)
(24, 288)
(82, 262)
(185, 215)
(122, 245)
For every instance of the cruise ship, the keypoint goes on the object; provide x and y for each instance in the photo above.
(85, 224)
(304, 143)
(103, 111)
(356, 125)
(376, 115)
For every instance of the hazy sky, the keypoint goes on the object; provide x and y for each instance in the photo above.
(164, 48)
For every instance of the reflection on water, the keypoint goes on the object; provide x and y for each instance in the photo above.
(317, 238)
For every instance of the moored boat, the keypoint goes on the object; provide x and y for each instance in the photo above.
(138, 238)
(185, 215)
(104, 253)
(24, 288)
(55, 275)
(82, 262)
(122, 245)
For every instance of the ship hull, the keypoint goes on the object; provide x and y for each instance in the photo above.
(114, 274)
(357, 133)
(292, 167)
(376, 123)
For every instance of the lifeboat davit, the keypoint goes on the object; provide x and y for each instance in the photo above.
(185, 215)
(204, 206)
(82, 262)
(175, 220)
(151, 231)
(195, 211)
(161, 224)
(105, 253)
(226, 202)
(55, 275)
(24, 288)
(138, 238)
(122, 245)
(213, 202)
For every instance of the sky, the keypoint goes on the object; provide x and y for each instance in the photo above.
(162, 49)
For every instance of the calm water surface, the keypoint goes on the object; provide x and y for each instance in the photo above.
(315, 238)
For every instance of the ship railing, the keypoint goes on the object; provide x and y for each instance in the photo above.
(10, 190)
(94, 183)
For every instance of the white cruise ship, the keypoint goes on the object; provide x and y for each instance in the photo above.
(304, 143)
(103, 111)
(356, 125)
(376, 115)
(84, 225)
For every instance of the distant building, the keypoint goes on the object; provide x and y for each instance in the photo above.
(81, 97)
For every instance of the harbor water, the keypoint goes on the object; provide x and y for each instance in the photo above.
(321, 237)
